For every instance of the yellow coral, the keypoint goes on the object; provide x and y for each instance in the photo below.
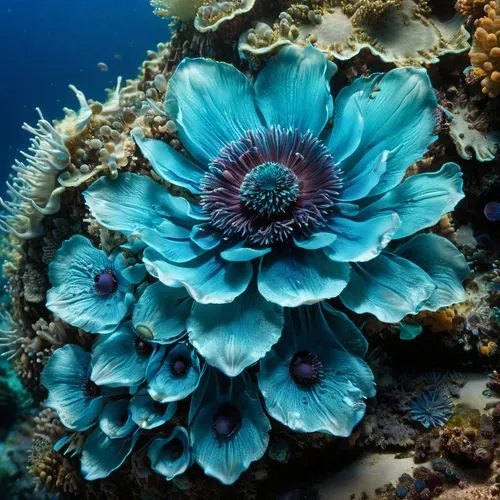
(183, 9)
(439, 321)
(485, 52)
(471, 7)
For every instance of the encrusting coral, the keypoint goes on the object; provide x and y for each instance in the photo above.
(485, 52)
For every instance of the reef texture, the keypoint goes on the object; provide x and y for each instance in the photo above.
(241, 272)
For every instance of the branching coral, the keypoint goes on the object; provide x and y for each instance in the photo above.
(471, 7)
(485, 52)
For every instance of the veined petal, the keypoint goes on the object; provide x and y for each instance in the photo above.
(361, 240)
(301, 277)
(208, 279)
(422, 199)
(149, 414)
(212, 104)
(398, 110)
(169, 164)
(291, 85)
(447, 267)
(242, 253)
(161, 312)
(222, 335)
(115, 420)
(388, 287)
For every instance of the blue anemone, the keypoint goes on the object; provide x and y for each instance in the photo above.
(432, 408)
(148, 413)
(115, 420)
(89, 289)
(290, 212)
(228, 427)
(173, 373)
(313, 379)
(170, 456)
(75, 398)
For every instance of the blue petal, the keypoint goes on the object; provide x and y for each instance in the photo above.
(102, 455)
(147, 413)
(204, 236)
(212, 104)
(242, 253)
(132, 201)
(73, 297)
(115, 420)
(116, 361)
(398, 110)
(361, 240)
(447, 267)
(226, 459)
(208, 279)
(316, 241)
(65, 376)
(165, 385)
(302, 277)
(422, 199)
(134, 274)
(161, 312)
(169, 164)
(222, 335)
(292, 85)
(389, 287)
(167, 462)
(335, 403)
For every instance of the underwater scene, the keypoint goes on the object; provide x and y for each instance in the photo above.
(250, 249)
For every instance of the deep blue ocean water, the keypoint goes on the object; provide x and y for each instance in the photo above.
(48, 44)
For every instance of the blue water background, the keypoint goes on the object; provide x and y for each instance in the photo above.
(48, 44)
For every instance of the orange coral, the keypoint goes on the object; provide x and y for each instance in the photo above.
(439, 321)
(485, 52)
(471, 7)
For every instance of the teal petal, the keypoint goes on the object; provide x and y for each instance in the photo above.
(221, 333)
(205, 237)
(148, 413)
(398, 117)
(226, 459)
(169, 164)
(208, 279)
(133, 201)
(173, 373)
(161, 312)
(115, 420)
(170, 456)
(441, 260)
(65, 376)
(422, 199)
(302, 277)
(134, 274)
(102, 455)
(291, 85)
(73, 297)
(316, 241)
(242, 253)
(361, 240)
(408, 331)
(335, 402)
(388, 287)
(212, 104)
(117, 360)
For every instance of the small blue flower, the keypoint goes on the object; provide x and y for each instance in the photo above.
(313, 379)
(148, 413)
(115, 420)
(228, 428)
(291, 212)
(171, 456)
(432, 408)
(173, 373)
(101, 455)
(72, 394)
(89, 289)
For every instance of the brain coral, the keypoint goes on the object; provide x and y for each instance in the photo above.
(485, 53)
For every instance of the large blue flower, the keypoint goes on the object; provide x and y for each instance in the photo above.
(77, 400)
(89, 289)
(313, 379)
(228, 427)
(291, 212)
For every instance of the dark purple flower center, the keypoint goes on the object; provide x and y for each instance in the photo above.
(142, 348)
(270, 186)
(179, 366)
(174, 449)
(227, 421)
(105, 283)
(92, 390)
(306, 369)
